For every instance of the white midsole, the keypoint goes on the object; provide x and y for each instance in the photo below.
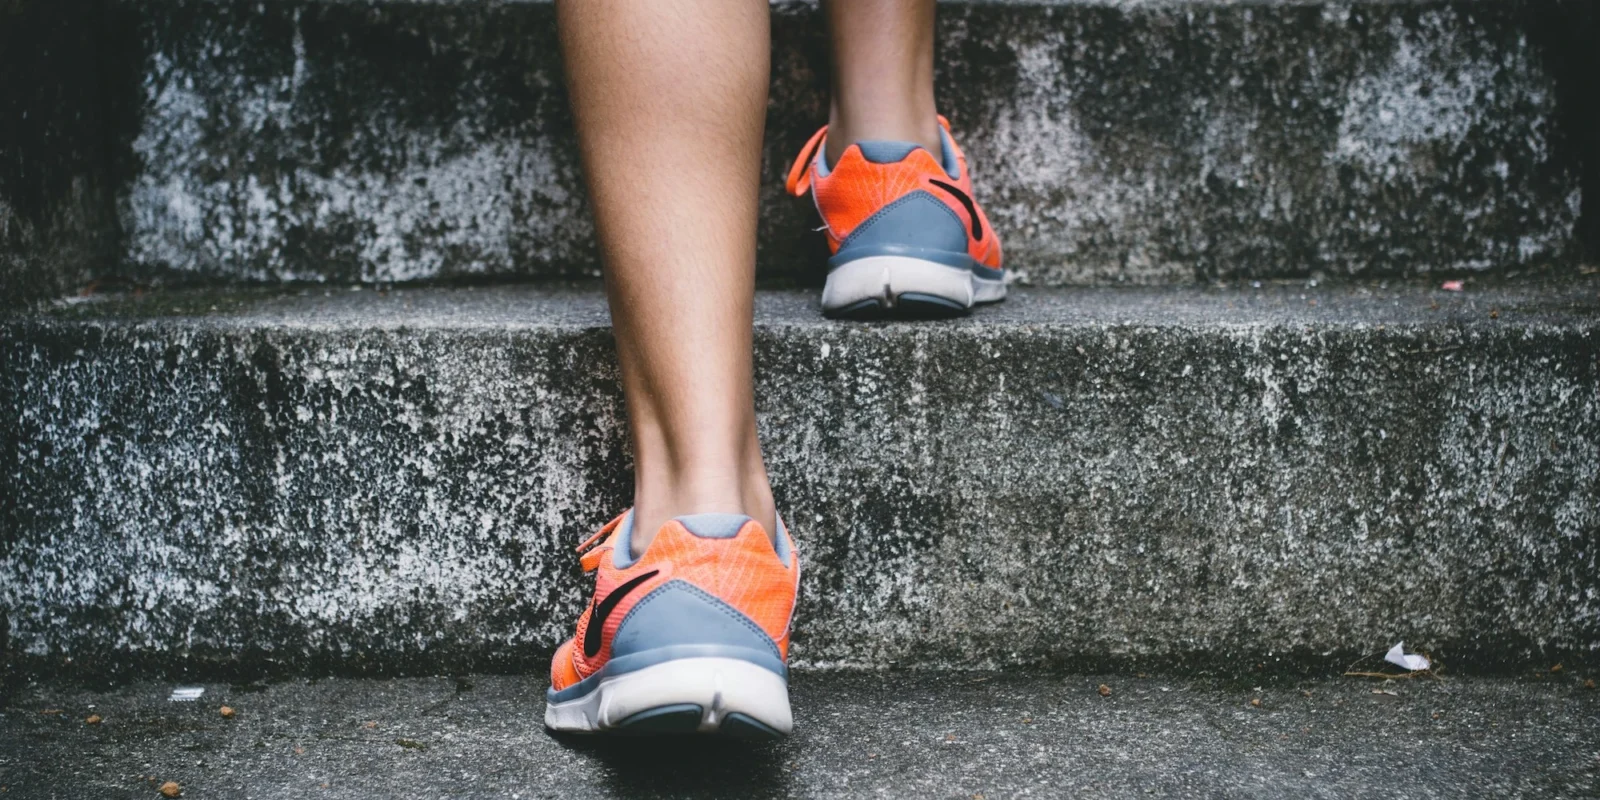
(885, 278)
(720, 686)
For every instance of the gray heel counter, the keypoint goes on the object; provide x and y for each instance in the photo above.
(713, 526)
(681, 614)
(916, 221)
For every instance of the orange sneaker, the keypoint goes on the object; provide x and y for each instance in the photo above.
(692, 636)
(906, 237)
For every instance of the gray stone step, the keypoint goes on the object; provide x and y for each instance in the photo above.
(1113, 142)
(889, 735)
(1287, 475)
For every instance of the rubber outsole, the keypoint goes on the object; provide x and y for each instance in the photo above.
(684, 719)
(706, 695)
(905, 287)
(911, 305)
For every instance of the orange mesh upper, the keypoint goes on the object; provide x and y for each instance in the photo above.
(743, 572)
(563, 672)
(856, 188)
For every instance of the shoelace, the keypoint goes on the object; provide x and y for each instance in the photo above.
(591, 550)
(799, 180)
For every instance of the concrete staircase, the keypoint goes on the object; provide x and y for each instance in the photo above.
(1229, 418)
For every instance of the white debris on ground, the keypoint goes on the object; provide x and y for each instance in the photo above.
(1397, 656)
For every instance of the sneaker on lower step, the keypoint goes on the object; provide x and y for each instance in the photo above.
(690, 637)
(906, 236)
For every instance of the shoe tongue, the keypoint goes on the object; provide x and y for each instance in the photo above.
(886, 151)
(713, 526)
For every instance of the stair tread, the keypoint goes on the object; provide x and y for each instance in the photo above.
(892, 734)
(578, 306)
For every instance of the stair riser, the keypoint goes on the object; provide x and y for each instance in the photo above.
(394, 142)
(222, 496)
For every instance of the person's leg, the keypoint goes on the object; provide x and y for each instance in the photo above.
(882, 73)
(670, 99)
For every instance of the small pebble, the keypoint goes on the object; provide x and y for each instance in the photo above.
(227, 712)
(94, 719)
(1105, 691)
(171, 789)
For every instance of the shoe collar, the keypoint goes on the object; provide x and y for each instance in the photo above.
(813, 159)
(705, 526)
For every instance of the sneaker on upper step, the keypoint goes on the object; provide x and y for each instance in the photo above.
(906, 237)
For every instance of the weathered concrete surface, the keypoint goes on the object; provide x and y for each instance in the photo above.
(57, 206)
(393, 482)
(1142, 142)
(892, 735)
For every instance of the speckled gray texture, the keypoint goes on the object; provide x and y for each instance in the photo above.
(393, 482)
(57, 208)
(1140, 142)
(891, 735)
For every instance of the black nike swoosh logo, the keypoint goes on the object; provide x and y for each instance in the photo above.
(603, 609)
(966, 202)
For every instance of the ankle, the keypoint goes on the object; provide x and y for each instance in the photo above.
(659, 499)
(902, 123)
